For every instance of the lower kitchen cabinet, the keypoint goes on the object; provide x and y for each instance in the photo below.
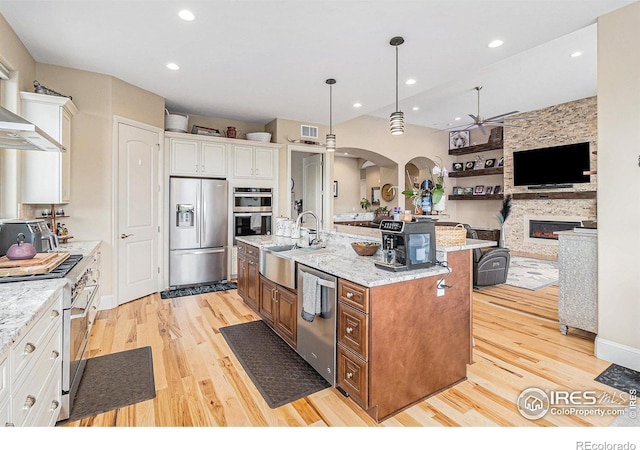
(35, 371)
(5, 418)
(278, 308)
(248, 275)
(400, 343)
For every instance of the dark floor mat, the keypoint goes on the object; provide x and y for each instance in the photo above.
(279, 373)
(620, 378)
(114, 381)
(181, 292)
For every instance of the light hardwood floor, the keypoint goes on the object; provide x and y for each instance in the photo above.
(199, 382)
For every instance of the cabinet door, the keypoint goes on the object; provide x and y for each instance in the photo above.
(253, 283)
(242, 161)
(184, 157)
(213, 159)
(263, 163)
(268, 292)
(5, 411)
(242, 276)
(286, 310)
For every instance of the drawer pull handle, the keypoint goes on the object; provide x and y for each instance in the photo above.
(349, 375)
(55, 354)
(29, 402)
(54, 405)
(54, 314)
(349, 294)
(349, 330)
(29, 348)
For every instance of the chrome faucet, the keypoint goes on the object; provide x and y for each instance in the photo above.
(299, 222)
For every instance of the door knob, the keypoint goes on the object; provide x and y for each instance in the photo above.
(124, 236)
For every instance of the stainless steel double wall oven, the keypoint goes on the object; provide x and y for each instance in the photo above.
(252, 211)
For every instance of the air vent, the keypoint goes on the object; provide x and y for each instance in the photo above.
(307, 131)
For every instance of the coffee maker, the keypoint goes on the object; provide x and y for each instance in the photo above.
(408, 245)
(36, 233)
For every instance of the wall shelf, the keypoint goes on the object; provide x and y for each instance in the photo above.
(476, 172)
(477, 148)
(476, 197)
(555, 195)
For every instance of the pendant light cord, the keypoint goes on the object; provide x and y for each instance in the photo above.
(331, 109)
(396, 78)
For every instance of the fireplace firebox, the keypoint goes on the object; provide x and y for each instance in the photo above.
(544, 229)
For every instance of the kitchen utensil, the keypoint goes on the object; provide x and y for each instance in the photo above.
(21, 250)
(365, 248)
(176, 122)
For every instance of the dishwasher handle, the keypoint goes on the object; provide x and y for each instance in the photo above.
(325, 283)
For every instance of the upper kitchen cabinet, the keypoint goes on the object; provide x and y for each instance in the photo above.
(46, 176)
(253, 161)
(197, 157)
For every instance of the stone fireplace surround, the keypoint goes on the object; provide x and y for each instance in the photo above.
(566, 123)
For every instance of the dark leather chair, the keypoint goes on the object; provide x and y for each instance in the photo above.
(490, 266)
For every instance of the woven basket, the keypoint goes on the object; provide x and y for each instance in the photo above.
(446, 236)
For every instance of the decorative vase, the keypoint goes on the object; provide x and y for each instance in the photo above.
(440, 206)
(502, 242)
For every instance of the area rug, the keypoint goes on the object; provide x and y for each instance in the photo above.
(620, 378)
(532, 274)
(278, 372)
(113, 381)
(195, 290)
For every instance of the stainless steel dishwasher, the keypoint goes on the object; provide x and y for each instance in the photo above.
(316, 341)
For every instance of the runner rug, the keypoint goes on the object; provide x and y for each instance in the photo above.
(195, 290)
(278, 372)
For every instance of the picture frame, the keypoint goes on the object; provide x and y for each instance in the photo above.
(478, 190)
(501, 162)
(488, 190)
(497, 190)
(469, 165)
(458, 139)
(489, 163)
(467, 191)
(375, 195)
(335, 188)
(479, 164)
(456, 190)
(457, 166)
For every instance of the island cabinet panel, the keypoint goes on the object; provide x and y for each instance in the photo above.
(248, 276)
(417, 343)
(278, 309)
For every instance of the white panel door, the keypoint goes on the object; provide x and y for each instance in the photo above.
(312, 186)
(138, 152)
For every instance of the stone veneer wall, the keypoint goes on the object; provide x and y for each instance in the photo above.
(567, 123)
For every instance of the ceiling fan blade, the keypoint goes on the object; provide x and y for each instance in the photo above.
(502, 115)
(522, 118)
(482, 128)
(476, 119)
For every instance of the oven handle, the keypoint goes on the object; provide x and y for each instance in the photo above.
(250, 214)
(85, 311)
(253, 194)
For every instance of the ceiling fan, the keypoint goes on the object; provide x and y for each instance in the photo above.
(480, 122)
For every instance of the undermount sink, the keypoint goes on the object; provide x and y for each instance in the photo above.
(280, 248)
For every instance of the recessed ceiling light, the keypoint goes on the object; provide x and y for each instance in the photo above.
(187, 15)
(410, 81)
(357, 105)
(495, 43)
(173, 66)
(416, 108)
(576, 54)
(457, 118)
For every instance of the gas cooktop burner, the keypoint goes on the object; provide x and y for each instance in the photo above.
(59, 272)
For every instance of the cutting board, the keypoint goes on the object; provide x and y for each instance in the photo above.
(41, 263)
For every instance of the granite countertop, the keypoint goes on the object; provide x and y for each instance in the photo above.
(21, 301)
(339, 259)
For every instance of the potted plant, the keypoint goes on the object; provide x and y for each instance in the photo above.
(381, 212)
(365, 204)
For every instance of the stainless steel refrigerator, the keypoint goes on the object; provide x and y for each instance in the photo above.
(198, 231)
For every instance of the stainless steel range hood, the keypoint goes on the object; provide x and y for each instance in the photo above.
(20, 134)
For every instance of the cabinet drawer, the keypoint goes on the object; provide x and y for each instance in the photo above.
(353, 294)
(248, 250)
(50, 401)
(353, 330)
(31, 392)
(352, 376)
(25, 352)
(5, 413)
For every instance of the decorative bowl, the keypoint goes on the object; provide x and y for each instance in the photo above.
(259, 136)
(365, 248)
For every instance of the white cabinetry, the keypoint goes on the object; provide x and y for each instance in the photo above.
(46, 176)
(5, 416)
(36, 370)
(197, 157)
(253, 162)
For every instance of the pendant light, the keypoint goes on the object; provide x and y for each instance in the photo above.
(397, 117)
(331, 138)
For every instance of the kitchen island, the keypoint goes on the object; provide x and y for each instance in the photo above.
(400, 336)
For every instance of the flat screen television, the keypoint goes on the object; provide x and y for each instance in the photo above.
(559, 166)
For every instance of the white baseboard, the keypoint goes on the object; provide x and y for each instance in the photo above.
(107, 302)
(619, 354)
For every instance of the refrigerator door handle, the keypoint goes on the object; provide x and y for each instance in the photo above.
(199, 252)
